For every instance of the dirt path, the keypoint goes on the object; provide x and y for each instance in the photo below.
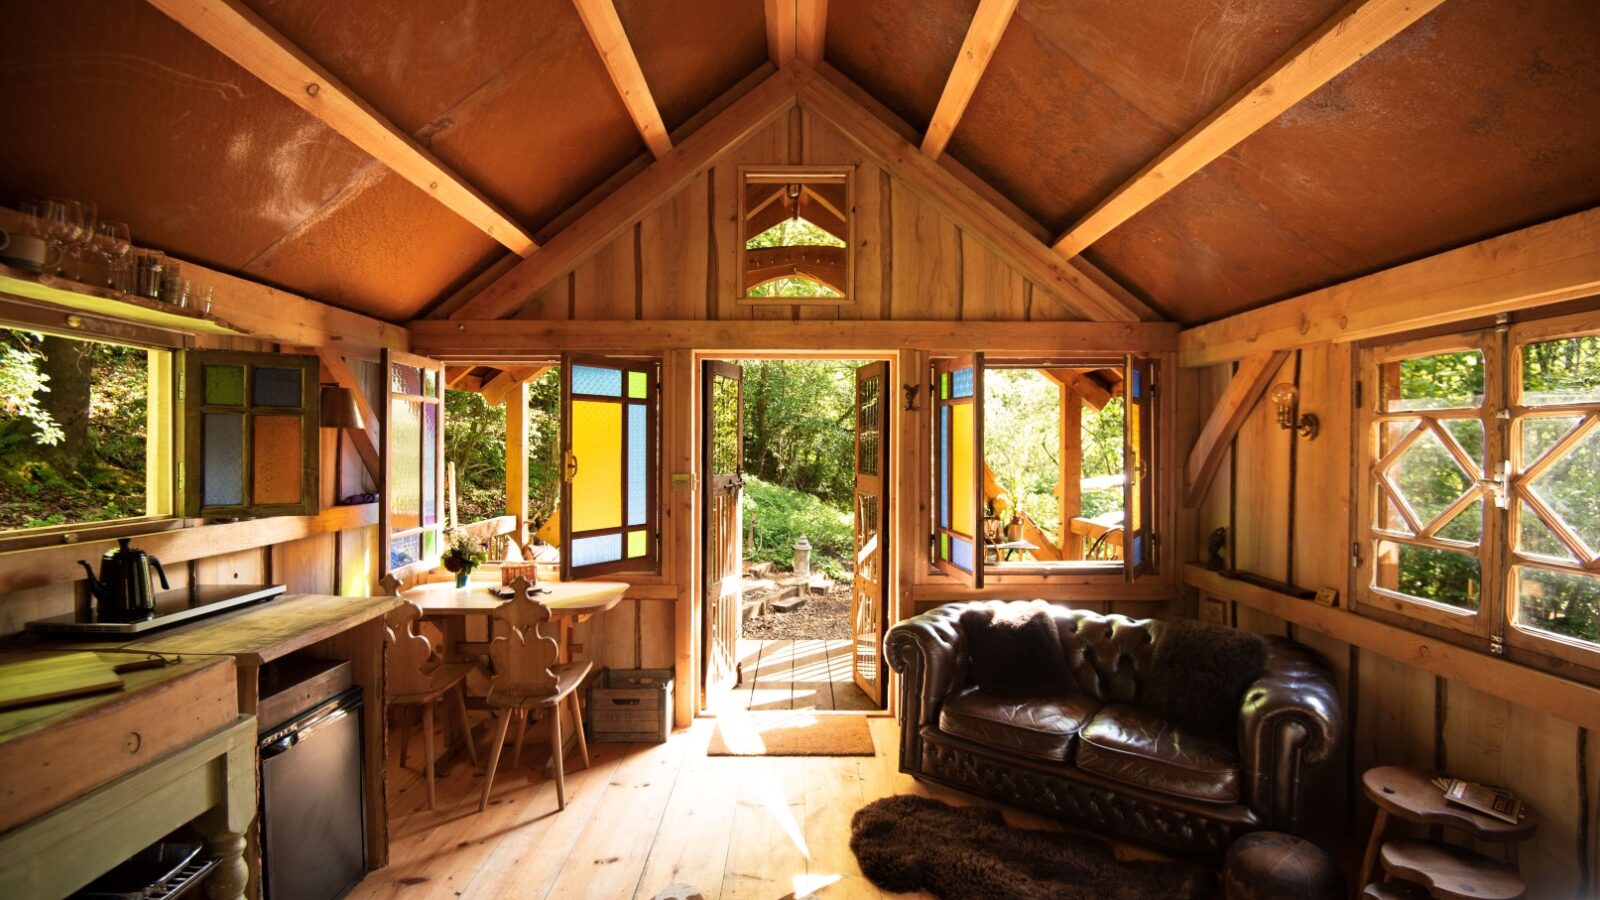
(823, 616)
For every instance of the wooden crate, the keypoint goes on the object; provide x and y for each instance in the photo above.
(631, 706)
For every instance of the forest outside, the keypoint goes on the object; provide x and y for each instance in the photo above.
(72, 431)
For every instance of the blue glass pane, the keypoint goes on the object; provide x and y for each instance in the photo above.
(222, 483)
(961, 554)
(404, 551)
(1138, 550)
(961, 383)
(591, 551)
(276, 387)
(596, 382)
(944, 466)
(637, 487)
(1136, 385)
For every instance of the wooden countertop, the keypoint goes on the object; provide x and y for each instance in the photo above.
(264, 632)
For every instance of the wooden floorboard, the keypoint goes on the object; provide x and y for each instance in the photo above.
(806, 673)
(645, 816)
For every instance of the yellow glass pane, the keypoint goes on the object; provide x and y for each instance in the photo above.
(597, 487)
(637, 544)
(963, 516)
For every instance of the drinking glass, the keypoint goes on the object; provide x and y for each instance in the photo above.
(87, 221)
(60, 228)
(148, 266)
(115, 241)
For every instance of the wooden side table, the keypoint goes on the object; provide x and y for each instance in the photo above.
(1410, 794)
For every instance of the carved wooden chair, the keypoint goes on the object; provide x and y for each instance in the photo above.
(417, 678)
(526, 679)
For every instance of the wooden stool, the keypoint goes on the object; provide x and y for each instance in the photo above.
(1266, 864)
(1410, 794)
(1450, 872)
(1395, 890)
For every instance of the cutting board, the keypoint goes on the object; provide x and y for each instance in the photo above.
(53, 677)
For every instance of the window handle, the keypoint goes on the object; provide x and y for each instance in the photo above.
(1497, 485)
(570, 467)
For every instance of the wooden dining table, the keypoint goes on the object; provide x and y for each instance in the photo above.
(451, 609)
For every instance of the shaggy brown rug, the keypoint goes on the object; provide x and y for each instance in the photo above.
(909, 843)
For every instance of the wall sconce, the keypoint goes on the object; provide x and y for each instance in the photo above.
(1286, 397)
(911, 395)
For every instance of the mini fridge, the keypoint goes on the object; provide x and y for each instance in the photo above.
(313, 807)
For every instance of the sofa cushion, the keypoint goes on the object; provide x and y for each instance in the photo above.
(1134, 747)
(1015, 649)
(1198, 675)
(1040, 728)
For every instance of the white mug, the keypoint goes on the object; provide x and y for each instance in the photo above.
(27, 251)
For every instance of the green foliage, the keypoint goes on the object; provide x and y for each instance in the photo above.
(775, 517)
(38, 485)
(799, 425)
(475, 440)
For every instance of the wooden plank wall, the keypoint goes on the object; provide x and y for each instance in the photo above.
(680, 261)
(344, 562)
(1286, 503)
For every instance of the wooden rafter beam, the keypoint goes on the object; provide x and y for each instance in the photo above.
(455, 376)
(810, 30)
(502, 342)
(796, 30)
(497, 389)
(1093, 392)
(1240, 397)
(366, 439)
(248, 40)
(1546, 263)
(1357, 29)
(944, 189)
(654, 186)
(605, 30)
(983, 35)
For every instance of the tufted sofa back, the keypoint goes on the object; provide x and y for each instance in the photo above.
(1107, 654)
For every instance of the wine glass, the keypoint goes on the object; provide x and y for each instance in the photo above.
(60, 228)
(87, 220)
(115, 241)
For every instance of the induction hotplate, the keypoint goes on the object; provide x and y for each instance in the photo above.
(172, 607)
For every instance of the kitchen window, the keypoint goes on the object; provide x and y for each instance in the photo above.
(1480, 505)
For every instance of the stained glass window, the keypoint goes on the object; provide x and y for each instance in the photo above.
(609, 436)
(412, 519)
(957, 449)
(253, 450)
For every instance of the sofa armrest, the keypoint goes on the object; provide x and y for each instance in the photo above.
(930, 655)
(1290, 721)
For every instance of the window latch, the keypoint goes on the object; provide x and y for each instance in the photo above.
(1355, 555)
(1497, 485)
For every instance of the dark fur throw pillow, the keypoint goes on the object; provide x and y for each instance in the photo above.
(1015, 648)
(1198, 675)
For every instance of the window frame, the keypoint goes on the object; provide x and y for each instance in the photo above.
(387, 535)
(781, 174)
(161, 497)
(1507, 474)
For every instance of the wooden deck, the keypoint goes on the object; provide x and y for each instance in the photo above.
(645, 816)
(798, 674)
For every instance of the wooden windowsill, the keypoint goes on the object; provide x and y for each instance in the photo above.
(1563, 698)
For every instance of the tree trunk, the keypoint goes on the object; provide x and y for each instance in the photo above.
(67, 363)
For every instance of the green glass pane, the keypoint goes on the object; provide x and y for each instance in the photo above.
(1563, 603)
(637, 545)
(636, 385)
(944, 546)
(944, 385)
(430, 543)
(430, 382)
(224, 385)
(1561, 371)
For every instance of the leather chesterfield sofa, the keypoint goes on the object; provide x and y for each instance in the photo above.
(1092, 755)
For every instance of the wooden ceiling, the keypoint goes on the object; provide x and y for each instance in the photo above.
(1476, 118)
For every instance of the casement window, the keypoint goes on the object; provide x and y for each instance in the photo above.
(249, 434)
(1480, 505)
(411, 516)
(609, 445)
(1043, 465)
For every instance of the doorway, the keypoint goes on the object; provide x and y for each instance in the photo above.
(795, 461)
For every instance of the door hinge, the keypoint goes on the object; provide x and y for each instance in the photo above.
(1358, 394)
(1355, 555)
(1497, 642)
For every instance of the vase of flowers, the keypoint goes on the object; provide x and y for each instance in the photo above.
(464, 555)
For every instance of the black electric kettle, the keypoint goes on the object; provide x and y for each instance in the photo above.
(123, 592)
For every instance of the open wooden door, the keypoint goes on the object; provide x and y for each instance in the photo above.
(871, 528)
(958, 467)
(722, 443)
(1138, 497)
